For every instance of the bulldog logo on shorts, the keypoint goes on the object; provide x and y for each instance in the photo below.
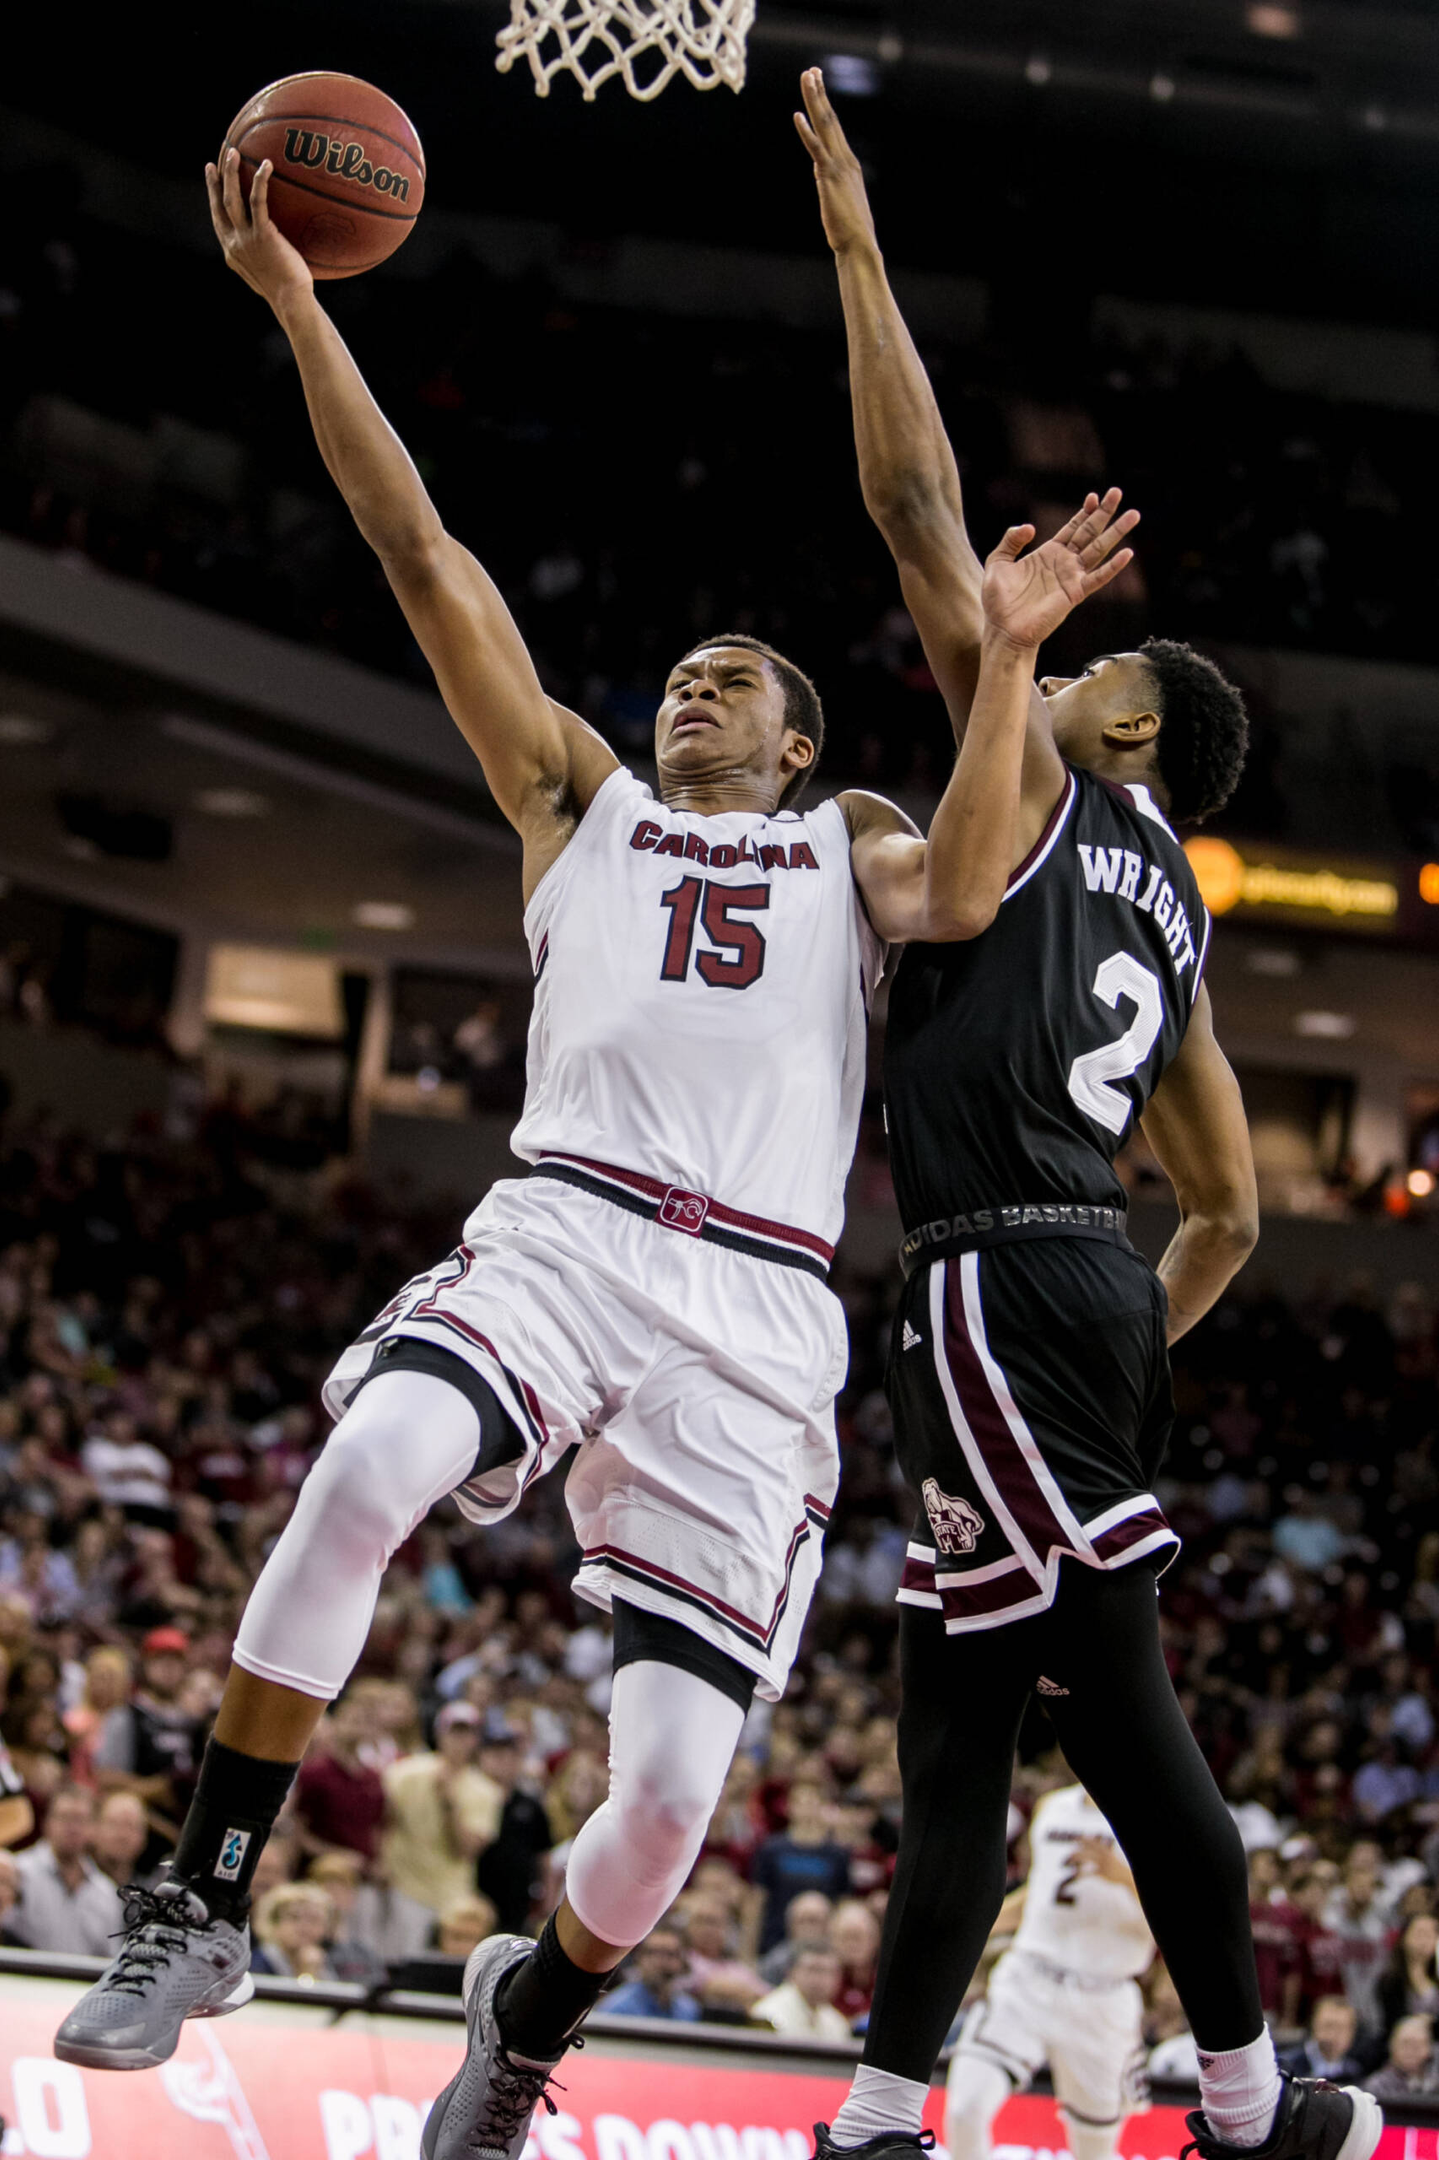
(956, 1525)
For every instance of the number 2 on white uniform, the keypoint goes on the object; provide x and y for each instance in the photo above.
(1092, 1076)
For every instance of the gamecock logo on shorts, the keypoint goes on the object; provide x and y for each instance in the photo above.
(681, 1210)
(956, 1525)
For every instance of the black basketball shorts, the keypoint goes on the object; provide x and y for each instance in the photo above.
(1031, 1396)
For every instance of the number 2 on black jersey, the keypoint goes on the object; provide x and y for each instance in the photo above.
(739, 958)
(1094, 1072)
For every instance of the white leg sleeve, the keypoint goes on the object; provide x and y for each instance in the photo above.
(406, 1441)
(974, 2095)
(1091, 2141)
(672, 1739)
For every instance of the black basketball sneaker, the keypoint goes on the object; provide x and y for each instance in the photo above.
(1315, 2121)
(889, 2145)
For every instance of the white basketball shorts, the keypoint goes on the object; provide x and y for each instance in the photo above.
(1091, 2037)
(690, 1354)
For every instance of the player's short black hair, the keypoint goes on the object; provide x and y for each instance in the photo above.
(802, 709)
(1204, 733)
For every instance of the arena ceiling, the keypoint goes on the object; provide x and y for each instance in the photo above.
(1269, 153)
(136, 805)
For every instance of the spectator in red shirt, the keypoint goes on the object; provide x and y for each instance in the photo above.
(854, 1938)
(1275, 1926)
(1320, 1950)
(340, 1800)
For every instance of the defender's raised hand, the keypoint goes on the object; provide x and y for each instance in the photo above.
(1027, 597)
(843, 203)
(254, 246)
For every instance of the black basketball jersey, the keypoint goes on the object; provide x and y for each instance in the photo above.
(1016, 1063)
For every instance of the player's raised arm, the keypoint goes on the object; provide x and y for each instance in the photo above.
(907, 469)
(542, 764)
(950, 885)
(1195, 1123)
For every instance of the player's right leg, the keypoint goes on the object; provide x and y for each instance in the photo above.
(675, 1720)
(974, 2093)
(1000, 2048)
(408, 1438)
(1097, 2063)
(1126, 1738)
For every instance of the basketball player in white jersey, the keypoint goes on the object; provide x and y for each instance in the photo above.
(1065, 1993)
(654, 1293)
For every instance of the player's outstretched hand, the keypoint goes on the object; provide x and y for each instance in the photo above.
(1026, 597)
(843, 203)
(254, 246)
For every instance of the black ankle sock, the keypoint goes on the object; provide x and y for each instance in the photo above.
(232, 1814)
(545, 1998)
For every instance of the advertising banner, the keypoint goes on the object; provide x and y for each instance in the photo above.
(252, 2088)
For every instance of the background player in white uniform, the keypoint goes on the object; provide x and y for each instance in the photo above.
(1065, 1992)
(654, 1292)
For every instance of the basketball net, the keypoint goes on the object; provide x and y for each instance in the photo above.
(647, 42)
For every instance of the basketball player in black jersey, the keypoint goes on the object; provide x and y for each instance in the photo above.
(1029, 1374)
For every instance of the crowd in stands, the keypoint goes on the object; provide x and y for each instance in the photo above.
(167, 1310)
(620, 528)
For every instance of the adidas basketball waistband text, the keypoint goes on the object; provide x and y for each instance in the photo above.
(950, 1235)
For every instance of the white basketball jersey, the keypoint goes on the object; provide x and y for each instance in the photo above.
(702, 987)
(1073, 1917)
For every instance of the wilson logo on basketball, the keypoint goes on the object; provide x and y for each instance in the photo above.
(303, 146)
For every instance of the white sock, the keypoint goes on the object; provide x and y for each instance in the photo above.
(1239, 2091)
(878, 2101)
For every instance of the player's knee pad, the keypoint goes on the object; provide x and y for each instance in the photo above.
(404, 1441)
(974, 2094)
(672, 1738)
(664, 1801)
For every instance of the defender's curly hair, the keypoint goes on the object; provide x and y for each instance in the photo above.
(802, 709)
(1204, 733)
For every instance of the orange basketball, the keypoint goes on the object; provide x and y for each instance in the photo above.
(349, 173)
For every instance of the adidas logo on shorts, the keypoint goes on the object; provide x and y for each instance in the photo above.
(908, 1339)
(1049, 1687)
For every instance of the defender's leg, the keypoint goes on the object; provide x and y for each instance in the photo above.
(1127, 1739)
(963, 1697)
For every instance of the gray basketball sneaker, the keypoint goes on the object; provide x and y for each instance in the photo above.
(175, 1963)
(484, 2112)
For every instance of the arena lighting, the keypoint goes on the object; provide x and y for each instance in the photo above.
(1429, 884)
(1273, 961)
(1420, 1183)
(1161, 88)
(1228, 879)
(274, 990)
(1269, 18)
(19, 728)
(230, 802)
(384, 915)
(1325, 1026)
(1037, 70)
(851, 74)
